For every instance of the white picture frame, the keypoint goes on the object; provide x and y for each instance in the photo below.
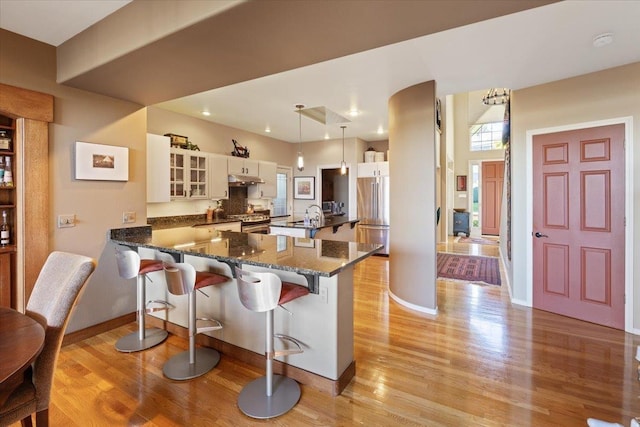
(99, 162)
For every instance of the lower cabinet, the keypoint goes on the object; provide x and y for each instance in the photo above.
(461, 223)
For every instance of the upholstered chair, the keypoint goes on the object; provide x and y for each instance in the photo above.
(54, 294)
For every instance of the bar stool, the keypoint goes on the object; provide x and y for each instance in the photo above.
(271, 395)
(130, 265)
(183, 279)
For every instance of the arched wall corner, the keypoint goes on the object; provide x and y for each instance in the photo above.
(412, 171)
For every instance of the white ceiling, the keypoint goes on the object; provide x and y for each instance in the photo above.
(516, 51)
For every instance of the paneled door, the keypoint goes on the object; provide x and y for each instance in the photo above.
(492, 183)
(579, 225)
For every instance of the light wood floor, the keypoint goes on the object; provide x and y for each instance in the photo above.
(479, 362)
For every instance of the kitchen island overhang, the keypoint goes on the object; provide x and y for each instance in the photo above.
(322, 321)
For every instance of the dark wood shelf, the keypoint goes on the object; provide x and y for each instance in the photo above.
(7, 249)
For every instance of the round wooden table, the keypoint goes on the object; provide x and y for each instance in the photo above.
(21, 341)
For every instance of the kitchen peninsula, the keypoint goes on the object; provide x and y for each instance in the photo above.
(322, 320)
(330, 228)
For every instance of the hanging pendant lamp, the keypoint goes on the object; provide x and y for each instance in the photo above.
(343, 165)
(300, 162)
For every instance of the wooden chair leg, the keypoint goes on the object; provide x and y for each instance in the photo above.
(26, 422)
(42, 418)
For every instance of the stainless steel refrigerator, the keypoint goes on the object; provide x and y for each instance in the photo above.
(373, 211)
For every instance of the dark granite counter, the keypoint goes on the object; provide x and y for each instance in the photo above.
(311, 258)
(161, 223)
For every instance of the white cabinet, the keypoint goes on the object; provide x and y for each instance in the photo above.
(218, 177)
(242, 166)
(268, 171)
(158, 168)
(188, 174)
(224, 226)
(372, 169)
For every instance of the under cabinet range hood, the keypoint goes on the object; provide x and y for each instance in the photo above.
(244, 180)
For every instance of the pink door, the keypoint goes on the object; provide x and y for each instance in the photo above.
(492, 181)
(578, 224)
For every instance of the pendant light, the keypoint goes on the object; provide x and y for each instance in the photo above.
(343, 165)
(300, 156)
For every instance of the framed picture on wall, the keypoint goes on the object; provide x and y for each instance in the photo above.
(101, 162)
(461, 183)
(304, 187)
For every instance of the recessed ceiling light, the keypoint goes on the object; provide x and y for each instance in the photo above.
(267, 129)
(326, 135)
(380, 130)
(206, 113)
(354, 112)
(602, 39)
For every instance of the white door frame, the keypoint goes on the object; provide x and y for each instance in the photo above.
(628, 244)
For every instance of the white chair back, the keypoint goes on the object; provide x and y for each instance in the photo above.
(181, 278)
(128, 262)
(258, 292)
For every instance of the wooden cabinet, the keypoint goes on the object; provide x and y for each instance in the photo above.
(268, 171)
(242, 166)
(27, 115)
(8, 205)
(373, 169)
(158, 166)
(218, 177)
(188, 174)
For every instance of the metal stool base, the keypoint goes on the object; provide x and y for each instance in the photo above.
(178, 367)
(254, 402)
(131, 343)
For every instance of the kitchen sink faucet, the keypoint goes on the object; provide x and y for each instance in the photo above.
(319, 217)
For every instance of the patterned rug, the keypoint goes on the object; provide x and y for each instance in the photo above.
(477, 240)
(469, 268)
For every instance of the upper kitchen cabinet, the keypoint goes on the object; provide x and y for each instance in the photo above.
(188, 174)
(372, 169)
(218, 177)
(158, 162)
(268, 172)
(242, 166)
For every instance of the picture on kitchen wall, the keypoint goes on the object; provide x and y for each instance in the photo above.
(304, 187)
(101, 162)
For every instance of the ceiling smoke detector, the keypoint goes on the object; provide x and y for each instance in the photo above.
(603, 39)
(324, 115)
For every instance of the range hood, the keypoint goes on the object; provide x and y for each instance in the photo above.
(244, 180)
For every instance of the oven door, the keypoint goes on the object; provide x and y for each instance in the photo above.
(262, 228)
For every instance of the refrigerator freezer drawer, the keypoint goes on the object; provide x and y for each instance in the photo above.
(374, 234)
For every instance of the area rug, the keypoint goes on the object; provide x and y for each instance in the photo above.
(477, 240)
(469, 268)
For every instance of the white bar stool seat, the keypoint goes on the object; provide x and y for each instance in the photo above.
(183, 279)
(130, 265)
(271, 395)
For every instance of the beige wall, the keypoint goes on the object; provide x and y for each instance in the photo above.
(608, 94)
(98, 205)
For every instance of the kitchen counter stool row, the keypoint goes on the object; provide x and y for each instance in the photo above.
(265, 397)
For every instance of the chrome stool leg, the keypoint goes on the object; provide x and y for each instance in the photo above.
(143, 338)
(195, 361)
(271, 395)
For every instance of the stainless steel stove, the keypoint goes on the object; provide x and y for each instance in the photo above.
(253, 223)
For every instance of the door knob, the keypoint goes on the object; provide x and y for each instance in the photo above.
(539, 235)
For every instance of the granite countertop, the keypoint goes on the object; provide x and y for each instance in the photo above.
(305, 256)
(161, 223)
(329, 221)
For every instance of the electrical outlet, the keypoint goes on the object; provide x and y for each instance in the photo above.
(324, 294)
(65, 221)
(128, 217)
